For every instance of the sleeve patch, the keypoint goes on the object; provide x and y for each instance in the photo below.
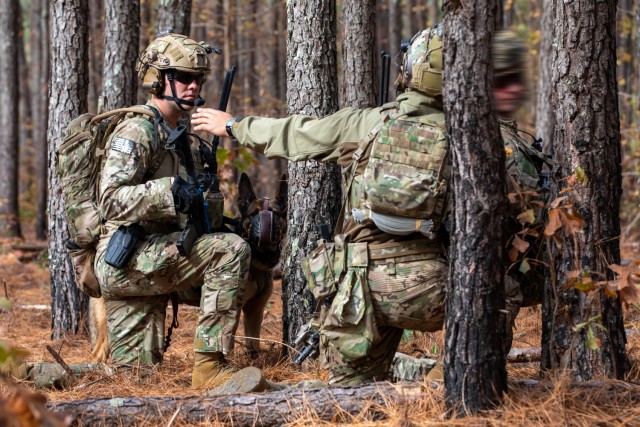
(123, 145)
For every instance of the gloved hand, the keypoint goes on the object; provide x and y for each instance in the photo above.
(186, 196)
(206, 181)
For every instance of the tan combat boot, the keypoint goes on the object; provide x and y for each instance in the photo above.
(210, 370)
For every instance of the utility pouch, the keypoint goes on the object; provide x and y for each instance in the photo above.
(123, 244)
(215, 208)
(324, 266)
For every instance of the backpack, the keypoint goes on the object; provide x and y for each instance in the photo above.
(78, 163)
(405, 184)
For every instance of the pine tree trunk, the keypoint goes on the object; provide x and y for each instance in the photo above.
(25, 144)
(545, 118)
(358, 60)
(314, 189)
(67, 99)
(9, 120)
(587, 142)
(40, 65)
(475, 363)
(174, 14)
(121, 34)
(96, 52)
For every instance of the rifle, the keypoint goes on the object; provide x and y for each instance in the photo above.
(210, 155)
(383, 96)
(198, 222)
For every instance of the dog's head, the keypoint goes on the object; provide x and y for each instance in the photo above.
(263, 222)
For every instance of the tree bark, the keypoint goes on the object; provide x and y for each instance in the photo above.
(358, 50)
(257, 409)
(587, 142)
(96, 52)
(314, 189)
(39, 41)
(545, 117)
(9, 120)
(121, 35)
(26, 123)
(475, 370)
(333, 405)
(174, 14)
(67, 99)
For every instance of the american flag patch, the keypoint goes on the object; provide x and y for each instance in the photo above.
(123, 145)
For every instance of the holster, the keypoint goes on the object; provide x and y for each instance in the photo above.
(123, 244)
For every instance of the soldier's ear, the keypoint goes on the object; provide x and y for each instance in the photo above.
(246, 195)
(282, 196)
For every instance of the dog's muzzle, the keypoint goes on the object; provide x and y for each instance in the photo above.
(266, 225)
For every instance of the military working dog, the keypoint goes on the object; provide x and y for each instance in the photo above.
(262, 222)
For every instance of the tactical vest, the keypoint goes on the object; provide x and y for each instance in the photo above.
(405, 184)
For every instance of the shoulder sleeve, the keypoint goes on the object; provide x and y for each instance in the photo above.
(121, 194)
(301, 137)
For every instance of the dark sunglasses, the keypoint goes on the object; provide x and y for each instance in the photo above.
(187, 78)
(504, 81)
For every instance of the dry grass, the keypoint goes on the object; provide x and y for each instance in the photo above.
(27, 284)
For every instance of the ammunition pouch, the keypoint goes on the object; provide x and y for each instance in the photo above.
(215, 208)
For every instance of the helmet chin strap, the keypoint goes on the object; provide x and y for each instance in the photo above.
(179, 101)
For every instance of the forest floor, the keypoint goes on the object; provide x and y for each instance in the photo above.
(25, 282)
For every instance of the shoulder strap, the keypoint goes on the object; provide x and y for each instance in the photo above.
(386, 112)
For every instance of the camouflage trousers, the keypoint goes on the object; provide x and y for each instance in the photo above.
(375, 301)
(48, 374)
(517, 295)
(213, 276)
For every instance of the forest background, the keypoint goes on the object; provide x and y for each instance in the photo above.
(252, 35)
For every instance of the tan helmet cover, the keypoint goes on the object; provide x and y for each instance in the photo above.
(171, 51)
(421, 68)
(509, 54)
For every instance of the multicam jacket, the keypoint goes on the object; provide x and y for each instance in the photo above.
(126, 192)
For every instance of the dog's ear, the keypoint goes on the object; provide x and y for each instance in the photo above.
(282, 195)
(246, 195)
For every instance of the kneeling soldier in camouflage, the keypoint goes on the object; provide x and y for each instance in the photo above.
(391, 274)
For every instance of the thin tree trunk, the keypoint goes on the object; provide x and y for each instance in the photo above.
(25, 154)
(122, 29)
(175, 14)
(358, 60)
(314, 189)
(586, 142)
(545, 117)
(40, 91)
(96, 52)
(475, 363)
(67, 99)
(9, 120)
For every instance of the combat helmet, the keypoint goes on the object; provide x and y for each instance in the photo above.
(421, 67)
(171, 54)
(509, 53)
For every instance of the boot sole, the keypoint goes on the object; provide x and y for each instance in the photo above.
(246, 380)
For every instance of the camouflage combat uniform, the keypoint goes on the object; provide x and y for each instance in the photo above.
(213, 276)
(391, 282)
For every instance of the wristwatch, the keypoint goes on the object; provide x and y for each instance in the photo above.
(229, 126)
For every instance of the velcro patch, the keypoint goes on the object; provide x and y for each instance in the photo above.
(123, 145)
